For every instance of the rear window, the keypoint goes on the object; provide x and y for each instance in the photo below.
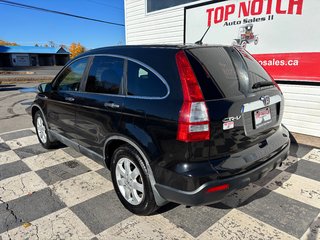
(256, 71)
(224, 72)
(218, 63)
(143, 83)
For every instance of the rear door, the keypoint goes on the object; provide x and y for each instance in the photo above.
(100, 105)
(241, 115)
(61, 106)
(144, 110)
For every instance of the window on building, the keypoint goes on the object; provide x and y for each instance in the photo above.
(142, 82)
(154, 5)
(71, 77)
(105, 75)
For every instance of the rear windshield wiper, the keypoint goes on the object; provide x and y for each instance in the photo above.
(262, 84)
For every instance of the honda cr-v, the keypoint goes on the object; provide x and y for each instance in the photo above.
(184, 124)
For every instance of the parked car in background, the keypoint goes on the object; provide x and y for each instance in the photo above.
(184, 124)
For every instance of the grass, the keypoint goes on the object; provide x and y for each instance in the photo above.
(25, 79)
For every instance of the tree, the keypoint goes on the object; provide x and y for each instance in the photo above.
(75, 49)
(52, 44)
(5, 43)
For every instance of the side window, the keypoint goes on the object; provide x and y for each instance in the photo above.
(144, 83)
(71, 77)
(105, 75)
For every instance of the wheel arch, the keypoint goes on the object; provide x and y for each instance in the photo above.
(113, 142)
(34, 108)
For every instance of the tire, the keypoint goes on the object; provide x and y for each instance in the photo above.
(42, 132)
(131, 181)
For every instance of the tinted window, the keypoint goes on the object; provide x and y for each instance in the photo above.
(105, 75)
(70, 78)
(233, 71)
(256, 71)
(154, 5)
(221, 69)
(208, 87)
(143, 82)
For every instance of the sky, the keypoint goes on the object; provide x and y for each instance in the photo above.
(28, 27)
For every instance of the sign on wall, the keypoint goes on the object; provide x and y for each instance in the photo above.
(283, 35)
(21, 60)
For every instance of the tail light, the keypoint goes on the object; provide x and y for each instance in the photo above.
(193, 124)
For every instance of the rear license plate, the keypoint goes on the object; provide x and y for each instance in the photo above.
(262, 117)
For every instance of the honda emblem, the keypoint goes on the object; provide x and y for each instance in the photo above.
(265, 100)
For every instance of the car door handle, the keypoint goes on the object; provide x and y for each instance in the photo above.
(69, 99)
(111, 105)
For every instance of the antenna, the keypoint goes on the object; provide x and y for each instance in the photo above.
(200, 41)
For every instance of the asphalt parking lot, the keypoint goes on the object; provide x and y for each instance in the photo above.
(14, 98)
(60, 194)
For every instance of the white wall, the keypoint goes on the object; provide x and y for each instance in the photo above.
(302, 108)
(302, 103)
(164, 26)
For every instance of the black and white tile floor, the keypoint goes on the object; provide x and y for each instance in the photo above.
(61, 194)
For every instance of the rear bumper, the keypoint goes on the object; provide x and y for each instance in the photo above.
(200, 195)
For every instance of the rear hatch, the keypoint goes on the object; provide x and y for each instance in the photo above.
(244, 104)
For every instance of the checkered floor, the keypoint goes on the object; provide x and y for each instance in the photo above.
(61, 194)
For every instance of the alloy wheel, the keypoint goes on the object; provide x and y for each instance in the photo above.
(41, 130)
(129, 181)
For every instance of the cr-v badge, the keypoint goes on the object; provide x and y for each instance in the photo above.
(228, 122)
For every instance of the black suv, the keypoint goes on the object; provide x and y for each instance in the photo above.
(184, 124)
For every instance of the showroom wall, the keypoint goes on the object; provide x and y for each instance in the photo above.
(166, 26)
(163, 26)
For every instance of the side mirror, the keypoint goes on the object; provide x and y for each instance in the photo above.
(44, 87)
